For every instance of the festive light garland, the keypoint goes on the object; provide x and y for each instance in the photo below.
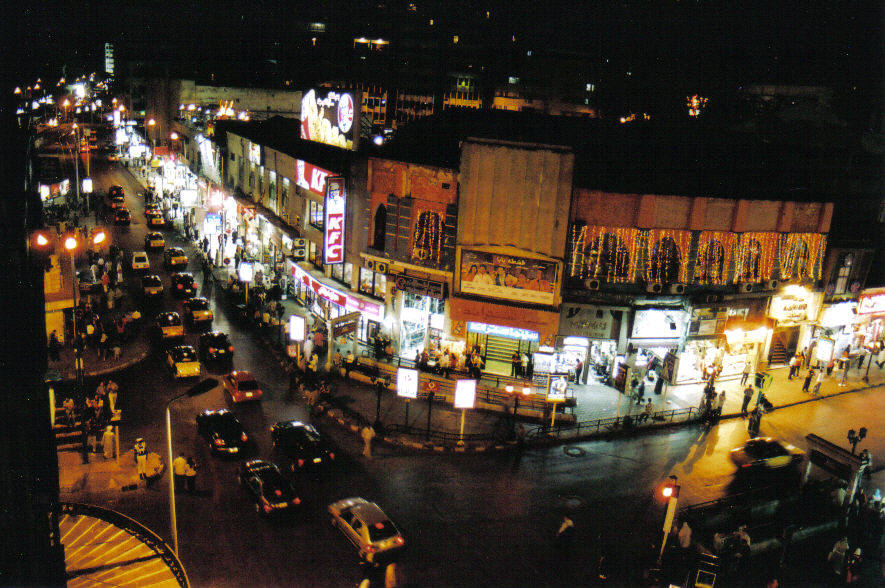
(667, 256)
(702, 262)
(427, 237)
(605, 253)
(755, 256)
(792, 246)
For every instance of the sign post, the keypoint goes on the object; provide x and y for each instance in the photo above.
(245, 274)
(407, 387)
(296, 336)
(465, 397)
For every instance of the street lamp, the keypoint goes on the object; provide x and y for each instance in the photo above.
(195, 390)
(855, 437)
(71, 244)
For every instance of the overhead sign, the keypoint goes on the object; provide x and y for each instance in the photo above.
(346, 324)
(520, 279)
(329, 118)
(659, 324)
(420, 286)
(502, 331)
(791, 308)
(465, 393)
(407, 383)
(579, 320)
(297, 326)
(310, 177)
(871, 304)
(333, 228)
(348, 301)
(245, 271)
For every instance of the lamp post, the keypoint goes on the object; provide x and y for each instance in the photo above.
(199, 388)
(855, 437)
(77, 163)
(71, 244)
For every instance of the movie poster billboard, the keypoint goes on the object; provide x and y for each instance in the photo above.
(331, 118)
(520, 279)
(333, 227)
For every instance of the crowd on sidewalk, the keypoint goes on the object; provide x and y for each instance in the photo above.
(92, 415)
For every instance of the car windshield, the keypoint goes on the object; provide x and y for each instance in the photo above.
(381, 530)
(152, 281)
(248, 385)
(305, 436)
(176, 253)
(227, 423)
(155, 237)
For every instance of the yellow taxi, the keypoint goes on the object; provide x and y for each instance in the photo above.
(367, 527)
(152, 287)
(183, 362)
(154, 240)
(169, 326)
(174, 257)
(197, 310)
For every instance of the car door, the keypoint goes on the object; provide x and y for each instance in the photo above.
(354, 531)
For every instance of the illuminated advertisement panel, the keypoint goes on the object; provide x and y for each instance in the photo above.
(311, 177)
(520, 279)
(333, 229)
(255, 153)
(331, 118)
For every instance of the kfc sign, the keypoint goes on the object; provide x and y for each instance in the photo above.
(311, 177)
(333, 242)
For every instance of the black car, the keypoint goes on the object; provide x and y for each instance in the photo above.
(302, 444)
(115, 192)
(197, 310)
(183, 284)
(152, 287)
(271, 492)
(122, 217)
(216, 346)
(223, 432)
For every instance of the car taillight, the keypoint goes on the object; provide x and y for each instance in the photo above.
(267, 508)
(300, 462)
(231, 348)
(244, 438)
(219, 442)
(278, 492)
(398, 540)
(211, 350)
(180, 286)
(296, 500)
(371, 549)
(331, 456)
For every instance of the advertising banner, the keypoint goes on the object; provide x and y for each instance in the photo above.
(296, 327)
(660, 324)
(348, 301)
(520, 279)
(344, 325)
(420, 286)
(333, 228)
(311, 177)
(329, 118)
(872, 302)
(407, 383)
(465, 393)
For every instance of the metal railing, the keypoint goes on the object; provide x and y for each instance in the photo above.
(134, 528)
(441, 435)
(611, 424)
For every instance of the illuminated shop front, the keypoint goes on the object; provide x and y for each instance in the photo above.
(837, 331)
(421, 314)
(656, 335)
(794, 308)
(589, 334)
(871, 315)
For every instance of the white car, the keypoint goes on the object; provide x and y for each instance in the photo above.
(140, 261)
(367, 527)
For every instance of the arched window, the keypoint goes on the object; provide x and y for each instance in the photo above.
(750, 261)
(710, 263)
(665, 262)
(607, 258)
(844, 273)
(380, 227)
(428, 236)
(796, 267)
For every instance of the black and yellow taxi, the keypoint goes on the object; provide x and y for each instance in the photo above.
(122, 218)
(367, 527)
(183, 362)
(183, 285)
(216, 346)
(169, 326)
(154, 240)
(174, 258)
(154, 217)
(197, 311)
(152, 287)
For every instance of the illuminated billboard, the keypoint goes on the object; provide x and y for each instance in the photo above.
(311, 177)
(520, 279)
(333, 227)
(331, 118)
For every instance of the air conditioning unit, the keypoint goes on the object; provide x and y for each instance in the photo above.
(381, 267)
(771, 284)
(592, 284)
(746, 287)
(654, 288)
(369, 264)
(299, 248)
(677, 288)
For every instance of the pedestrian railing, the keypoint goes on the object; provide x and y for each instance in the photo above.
(444, 436)
(576, 430)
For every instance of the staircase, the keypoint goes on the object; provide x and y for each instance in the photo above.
(67, 437)
(778, 354)
(501, 349)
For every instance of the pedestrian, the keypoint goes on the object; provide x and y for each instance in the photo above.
(190, 476)
(179, 470)
(107, 442)
(54, 346)
(68, 406)
(640, 392)
(84, 442)
(368, 433)
(140, 450)
(866, 464)
(837, 555)
(684, 535)
(515, 365)
(818, 380)
(808, 377)
(754, 422)
(748, 396)
(564, 536)
(579, 370)
(794, 366)
(104, 346)
(111, 390)
(348, 363)
(720, 404)
(745, 375)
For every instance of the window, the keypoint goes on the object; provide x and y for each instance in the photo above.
(315, 215)
(427, 241)
(665, 262)
(710, 264)
(796, 266)
(380, 228)
(343, 272)
(372, 283)
(312, 254)
(844, 273)
(750, 262)
(607, 258)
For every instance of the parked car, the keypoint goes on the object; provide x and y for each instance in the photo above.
(367, 527)
(765, 453)
(223, 432)
(302, 444)
(216, 346)
(196, 310)
(174, 257)
(241, 385)
(154, 240)
(183, 362)
(271, 492)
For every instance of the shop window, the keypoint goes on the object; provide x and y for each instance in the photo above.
(844, 274)
(337, 272)
(380, 228)
(312, 254)
(428, 237)
(343, 272)
(251, 179)
(372, 283)
(348, 273)
(751, 261)
(315, 218)
(665, 262)
(710, 264)
(284, 200)
(607, 258)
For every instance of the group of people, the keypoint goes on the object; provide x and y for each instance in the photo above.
(93, 416)
(522, 365)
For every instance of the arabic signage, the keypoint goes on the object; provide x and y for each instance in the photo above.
(343, 299)
(311, 177)
(344, 325)
(420, 286)
(507, 277)
(333, 228)
(578, 320)
(502, 331)
(872, 304)
(790, 308)
(329, 118)
(659, 324)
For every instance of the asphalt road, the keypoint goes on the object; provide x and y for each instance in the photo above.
(468, 520)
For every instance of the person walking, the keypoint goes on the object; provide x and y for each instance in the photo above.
(818, 380)
(140, 450)
(107, 442)
(579, 370)
(515, 365)
(755, 422)
(54, 346)
(794, 367)
(368, 433)
(808, 377)
(720, 404)
(69, 407)
(179, 469)
(745, 375)
(748, 396)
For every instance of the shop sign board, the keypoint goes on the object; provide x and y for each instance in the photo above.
(407, 383)
(333, 229)
(838, 315)
(465, 393)
(245, 272)
(311, 177)
(346, 324)
(329, 118)
(508, 277)
(585, 321)
(420, 286)
(502, 331)
(297, 328)
(872, 304)
(791, 307)
(343, 299)
(658, 323)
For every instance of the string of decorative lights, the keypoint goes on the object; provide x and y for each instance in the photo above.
(668, 256)
(799, 254)
(755, 256)
(722, 243)
(607, 253)
(427, 238)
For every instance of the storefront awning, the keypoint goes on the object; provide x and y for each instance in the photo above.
(650, 343)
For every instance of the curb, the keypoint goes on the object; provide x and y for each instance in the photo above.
(110, 370)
